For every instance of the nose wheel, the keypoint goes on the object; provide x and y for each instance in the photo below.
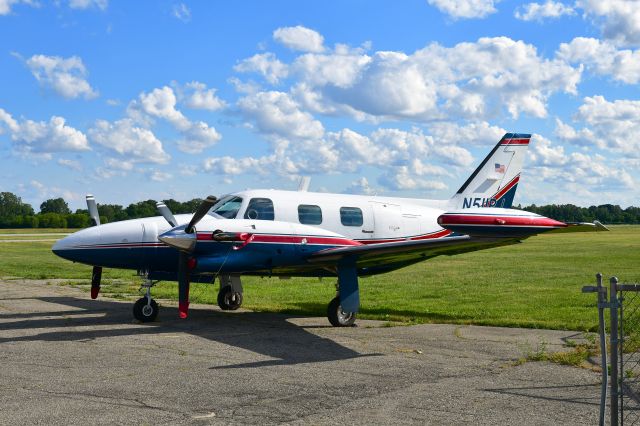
(146, 309)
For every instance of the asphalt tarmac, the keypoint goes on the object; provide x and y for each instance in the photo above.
(67, 359)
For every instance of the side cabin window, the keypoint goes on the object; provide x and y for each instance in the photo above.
(260, 209)
(351, 216)
(309, 214)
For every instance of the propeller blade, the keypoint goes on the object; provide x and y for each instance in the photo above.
(183, 284)
(93, 210)
(96, 273)
(96, 277)
(166, 213)
(203, 208)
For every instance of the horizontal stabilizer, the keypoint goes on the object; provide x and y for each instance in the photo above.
(596, 226)
(497, 222)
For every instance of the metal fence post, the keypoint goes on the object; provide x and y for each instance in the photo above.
(602, 300)
(613, 283)
(602, 331)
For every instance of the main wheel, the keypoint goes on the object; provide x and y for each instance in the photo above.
(338, 317)
(229, 300)
(145, 312)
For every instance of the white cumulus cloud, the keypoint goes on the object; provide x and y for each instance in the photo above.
(361, 186)
(196, 95)
(408, 154)
(576, 170)
(616, 124)
(131, 142)
(266, 64)
(540, 11)
(619, 19)
(43, 138)
(277, 114)
(613, 126)
(473, 80)
(465, 9)
(162, 103)
(66, 76)
(480, 133)
(299, 38)
(603, 58)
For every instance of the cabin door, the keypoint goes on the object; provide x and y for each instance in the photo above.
(388, 221)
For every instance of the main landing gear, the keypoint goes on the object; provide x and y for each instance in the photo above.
(337, 317)
(230, 294)
(146, 309)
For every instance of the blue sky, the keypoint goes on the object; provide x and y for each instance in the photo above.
(168, 99)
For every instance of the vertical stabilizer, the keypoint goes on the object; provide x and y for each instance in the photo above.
(494, 182)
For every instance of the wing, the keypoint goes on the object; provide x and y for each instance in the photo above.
(393, 255)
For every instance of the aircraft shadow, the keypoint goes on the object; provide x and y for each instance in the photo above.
(317, 309)
(267, 334)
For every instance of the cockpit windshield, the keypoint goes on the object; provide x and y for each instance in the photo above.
(227, 207)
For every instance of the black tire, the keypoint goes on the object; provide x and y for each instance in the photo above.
(144, 313)
(229, 300)
(338, 317)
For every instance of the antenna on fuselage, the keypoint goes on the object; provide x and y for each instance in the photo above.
(303, 186)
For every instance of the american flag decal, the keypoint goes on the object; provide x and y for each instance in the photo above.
(500, 168)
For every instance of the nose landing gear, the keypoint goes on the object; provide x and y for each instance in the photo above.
(146, 309)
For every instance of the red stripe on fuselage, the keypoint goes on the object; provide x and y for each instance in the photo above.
(453, 219)
(292, 239)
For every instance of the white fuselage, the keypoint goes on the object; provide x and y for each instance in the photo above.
(382, 218)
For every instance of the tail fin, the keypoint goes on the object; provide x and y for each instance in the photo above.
(494, 182)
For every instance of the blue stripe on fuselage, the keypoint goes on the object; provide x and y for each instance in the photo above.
(211, 257)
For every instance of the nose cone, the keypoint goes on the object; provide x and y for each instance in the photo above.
(71, 247)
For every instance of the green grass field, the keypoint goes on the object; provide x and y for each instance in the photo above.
(535, 284)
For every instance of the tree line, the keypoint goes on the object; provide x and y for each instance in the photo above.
(55, 212)
(605, 213)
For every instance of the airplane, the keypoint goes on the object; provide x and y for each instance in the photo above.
(307, 234)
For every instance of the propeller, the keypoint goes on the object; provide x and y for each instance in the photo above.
(96, 273)
(203, 209)
(166, 213)
(184, 239)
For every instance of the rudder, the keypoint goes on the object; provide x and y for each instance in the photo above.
(494, 182)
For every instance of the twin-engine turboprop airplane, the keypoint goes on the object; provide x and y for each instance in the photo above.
(299, 233)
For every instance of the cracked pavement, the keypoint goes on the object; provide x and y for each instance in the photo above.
(67, 359)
